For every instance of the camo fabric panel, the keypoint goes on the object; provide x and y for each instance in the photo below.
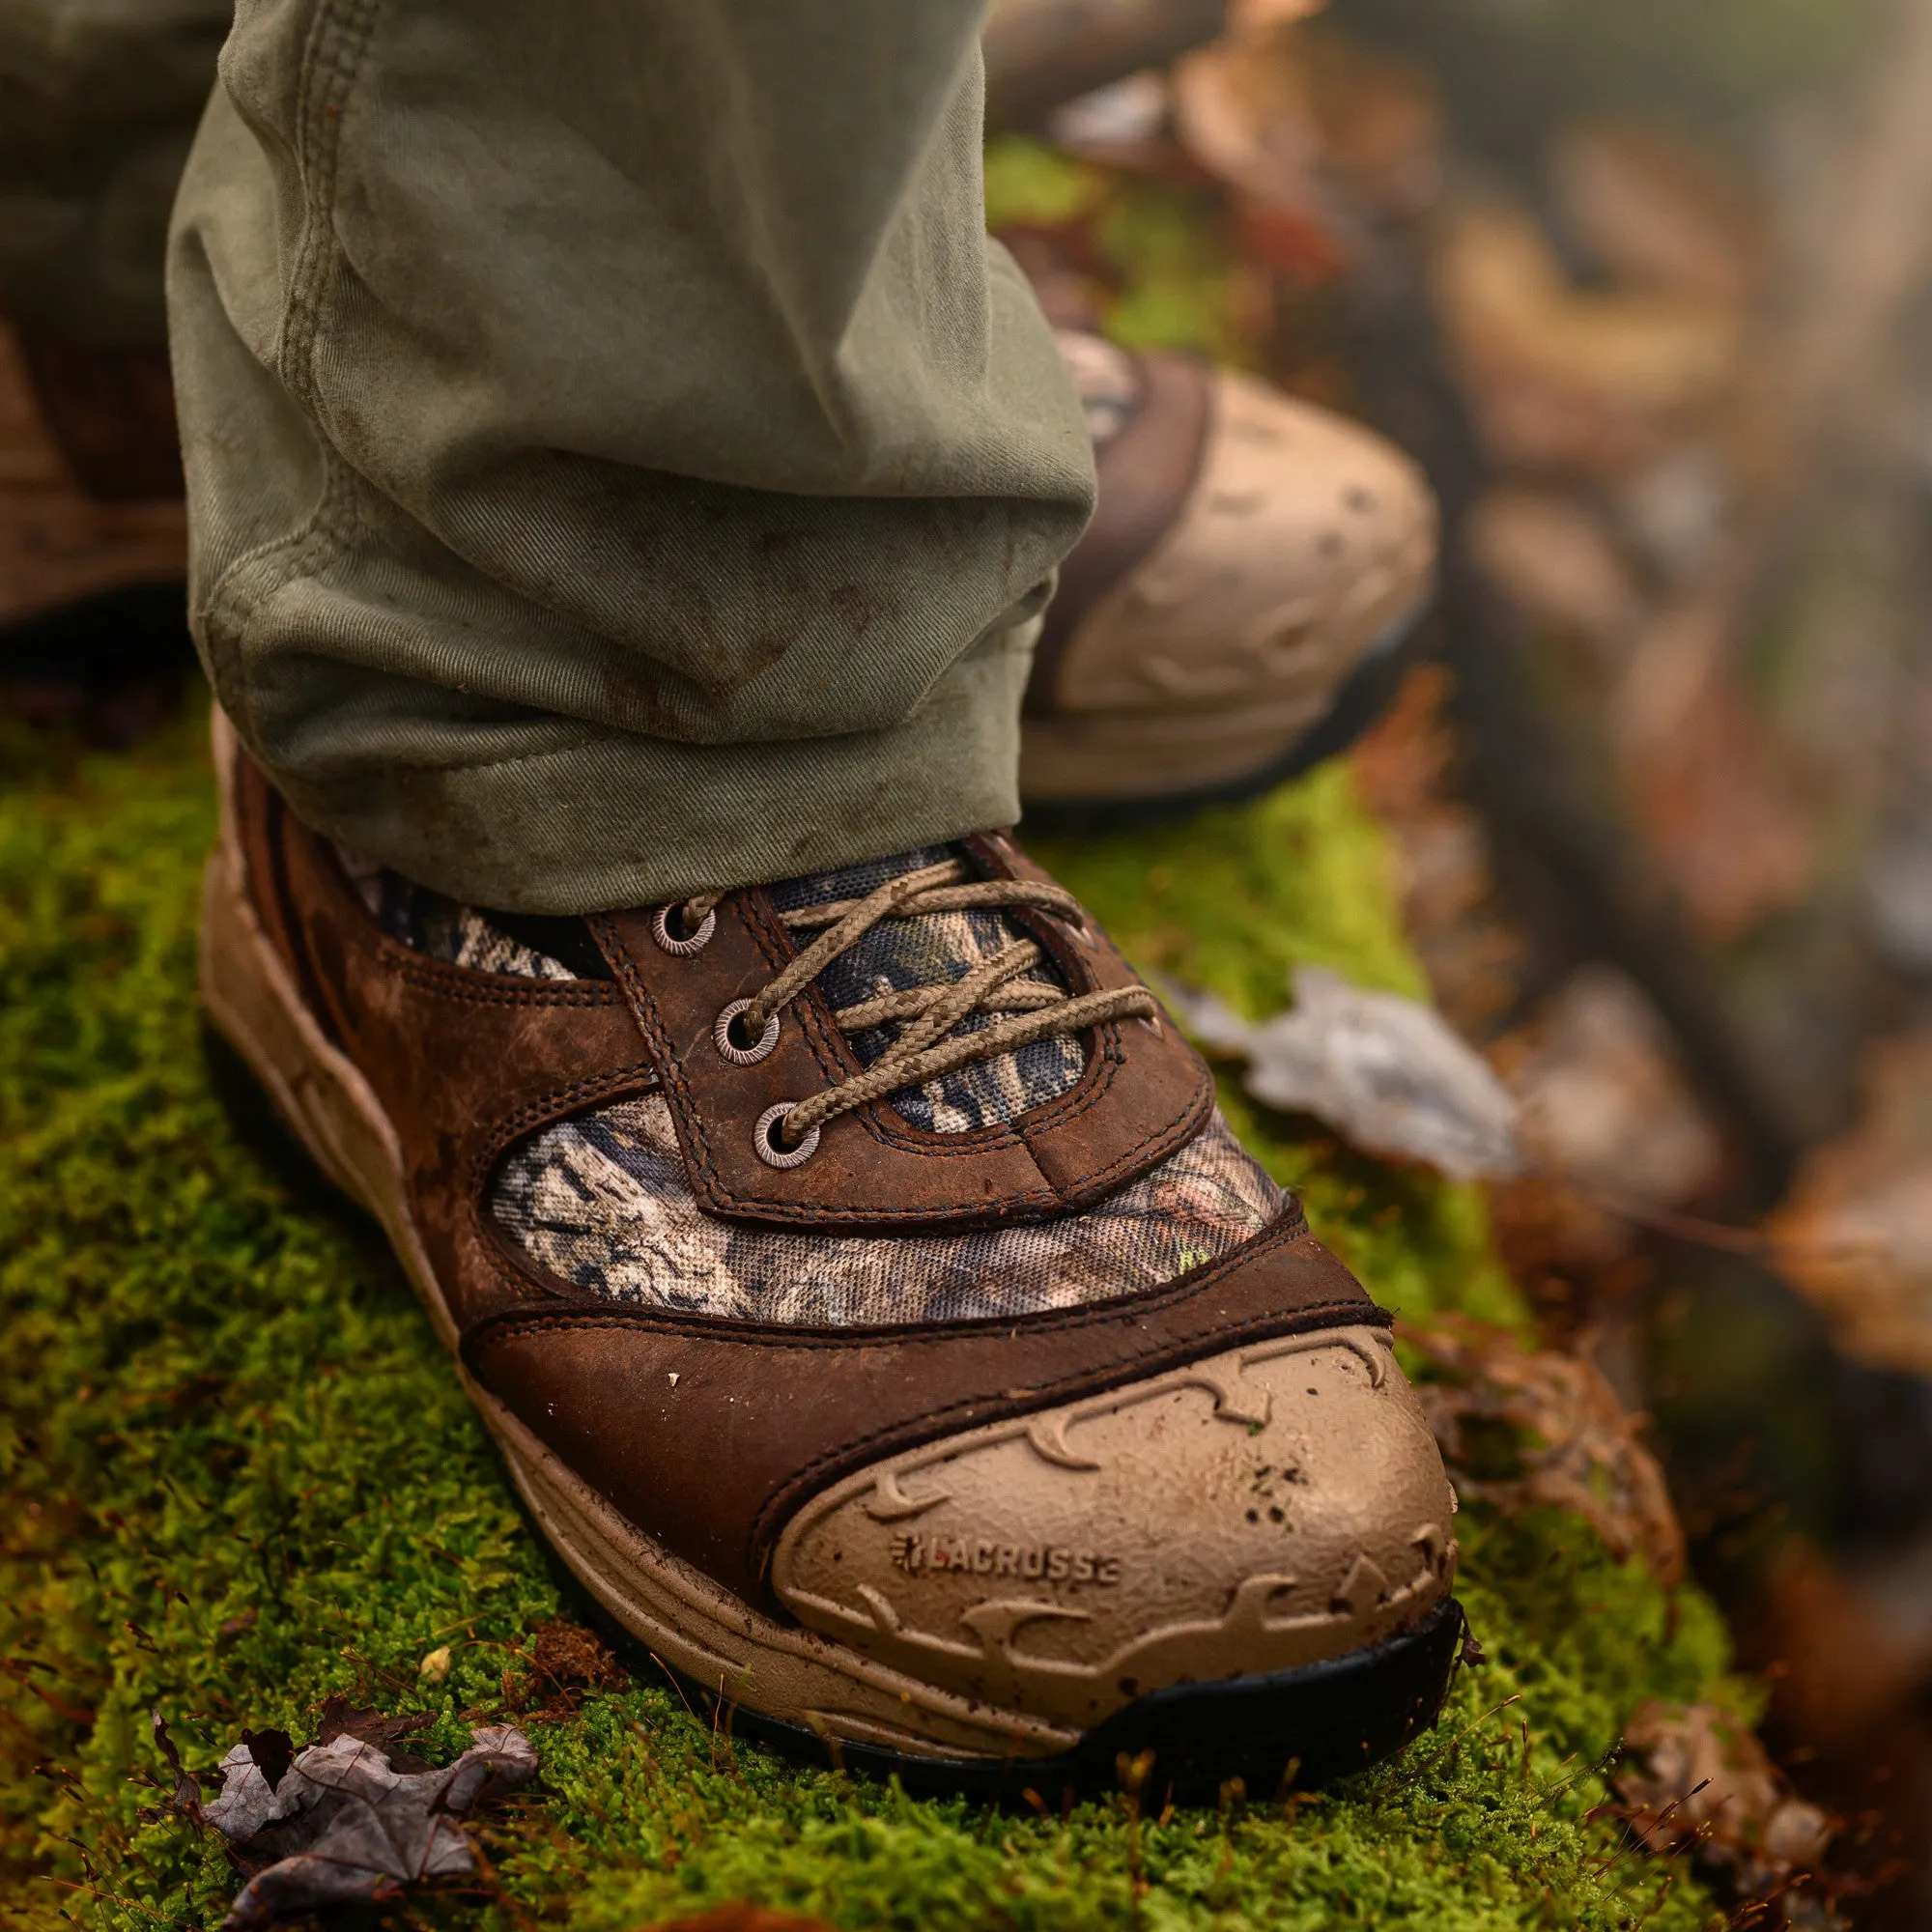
(426, 921)
(930, 951)
(602, 1202)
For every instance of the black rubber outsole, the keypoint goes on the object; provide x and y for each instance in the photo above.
(1361, 698)
(1284, 1730)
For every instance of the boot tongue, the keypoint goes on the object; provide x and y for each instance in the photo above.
(936, 946)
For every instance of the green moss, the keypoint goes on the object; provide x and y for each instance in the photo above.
(1032, 186)
(1164, 275)
(1232, 900)
(238, 1475)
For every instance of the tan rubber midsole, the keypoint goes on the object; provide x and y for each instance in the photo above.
(684, 1618)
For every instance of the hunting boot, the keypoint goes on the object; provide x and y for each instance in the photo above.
(1236, 608)
(871, 1304)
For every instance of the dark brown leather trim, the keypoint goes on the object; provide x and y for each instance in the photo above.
(1145, 1092)
(463, 1063)
(709, 1435)
(1147, 470)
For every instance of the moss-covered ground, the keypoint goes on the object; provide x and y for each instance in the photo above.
(237, 1476)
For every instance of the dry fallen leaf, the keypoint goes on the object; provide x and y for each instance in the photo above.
(1855, 1235)
(1385, 1073)
(1658, 210)
(1523, 1429)
(341, 1822)
(1406, 769)
(1710, 782)
(1553, 558)
(1604, 1098)
(1243, 111)
(1695, 1775)
(184, 1793)
(1565, 380)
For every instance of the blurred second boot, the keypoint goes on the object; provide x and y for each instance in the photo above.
(1252, 561)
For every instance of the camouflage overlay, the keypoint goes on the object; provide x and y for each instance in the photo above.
(602, 1202)
(428, 923)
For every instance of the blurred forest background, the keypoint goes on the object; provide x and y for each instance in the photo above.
(1648, 289)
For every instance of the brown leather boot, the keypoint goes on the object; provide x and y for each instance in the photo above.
(1230, 613)
(871, 1304)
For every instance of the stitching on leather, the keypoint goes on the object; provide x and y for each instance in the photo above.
(482, 1229)
(439, 976)
(1136, 1363)
(1177, 1131)
(814, 1018)
(694, 1138)
(981, 1410)
(558, 1103)
(692, 1134)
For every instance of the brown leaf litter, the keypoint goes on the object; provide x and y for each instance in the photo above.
(743, 1916)
(1855, 1237)
(1523, 1429)
(565, 1660)
(1694, 1779)
(350, 1818)
(1604, 1105)
(1406, 770)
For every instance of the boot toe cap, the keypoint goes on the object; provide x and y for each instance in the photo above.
(1259, 1510)
(1304, 539)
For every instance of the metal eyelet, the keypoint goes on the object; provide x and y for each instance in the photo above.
(742, 1056)
(1152, 1021)
(776, 1156)
(683, 949)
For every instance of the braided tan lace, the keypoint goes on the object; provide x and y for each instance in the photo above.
(1032, 1008)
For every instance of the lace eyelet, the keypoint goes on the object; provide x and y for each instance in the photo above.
(768, 1152)
(682, 949)
(743, 1055)
(1152, 1021)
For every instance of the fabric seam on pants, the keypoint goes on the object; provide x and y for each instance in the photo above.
(337, 45)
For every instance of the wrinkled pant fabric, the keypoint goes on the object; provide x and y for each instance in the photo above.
(619, 465)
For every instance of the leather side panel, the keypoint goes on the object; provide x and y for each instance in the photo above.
(463, 1063)
(709, 1436)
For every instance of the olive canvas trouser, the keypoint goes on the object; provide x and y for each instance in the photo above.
(618, 464)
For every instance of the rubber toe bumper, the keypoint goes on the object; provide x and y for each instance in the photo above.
(1258, 1512)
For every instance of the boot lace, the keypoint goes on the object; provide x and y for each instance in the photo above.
(1021, 1009)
